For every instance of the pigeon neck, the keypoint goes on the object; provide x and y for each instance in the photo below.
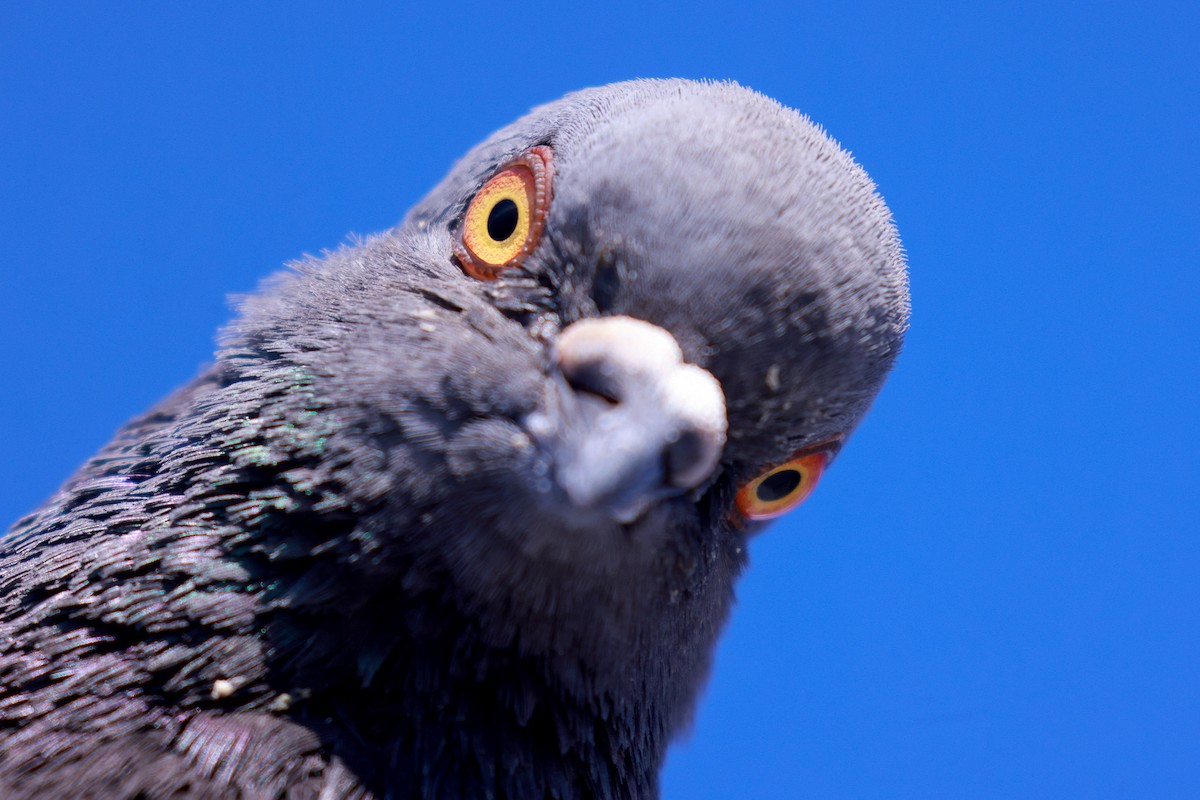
(435, 713)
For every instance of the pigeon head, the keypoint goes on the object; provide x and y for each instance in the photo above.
(620, 333)
(459, 509)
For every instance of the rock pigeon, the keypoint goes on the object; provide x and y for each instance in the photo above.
(458, 509)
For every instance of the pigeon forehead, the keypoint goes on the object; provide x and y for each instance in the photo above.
(729, 181)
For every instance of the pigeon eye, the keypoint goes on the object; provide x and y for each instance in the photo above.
(782, 488)
(504, 220)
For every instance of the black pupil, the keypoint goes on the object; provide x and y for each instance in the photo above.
(778, 486)
(502, 220)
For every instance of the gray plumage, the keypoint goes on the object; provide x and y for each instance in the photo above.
(350, 559)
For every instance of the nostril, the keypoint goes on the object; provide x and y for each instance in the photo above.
(595, 378)
(688, 458)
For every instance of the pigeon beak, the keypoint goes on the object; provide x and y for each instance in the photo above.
(634, 423)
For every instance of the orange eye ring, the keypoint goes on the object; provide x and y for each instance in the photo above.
(782, 488)
(505, 218)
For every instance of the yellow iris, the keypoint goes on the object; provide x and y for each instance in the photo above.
(497, 222)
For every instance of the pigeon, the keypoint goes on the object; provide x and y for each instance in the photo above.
(458, 509)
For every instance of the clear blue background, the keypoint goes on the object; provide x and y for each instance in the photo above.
(995, 592)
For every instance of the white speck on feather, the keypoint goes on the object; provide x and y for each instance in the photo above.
(773, 382)
(222, 688)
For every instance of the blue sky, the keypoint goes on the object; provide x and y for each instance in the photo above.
(996, 591)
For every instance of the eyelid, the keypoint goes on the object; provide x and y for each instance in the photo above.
(831, 445)
(805, 471)
(809, 463)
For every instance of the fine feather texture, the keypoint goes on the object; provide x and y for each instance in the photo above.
(337, 565)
